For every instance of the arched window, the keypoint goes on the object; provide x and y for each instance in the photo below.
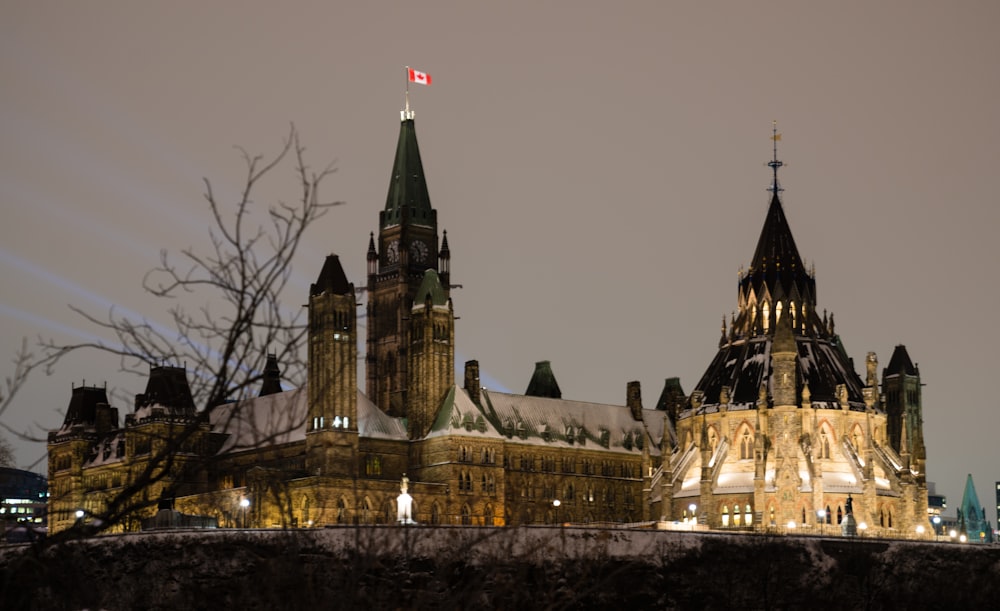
(488, 515)
(748, 516)
(435, 513)
(840, 514)
(366, 511)
(890, 517)
(766, 309)
(746, 445)
(829, 516)
(777, 312)
(341, 511)
(466, 515)
(725, 516)
(803, 516)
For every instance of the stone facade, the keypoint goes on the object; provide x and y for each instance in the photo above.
(780, 432)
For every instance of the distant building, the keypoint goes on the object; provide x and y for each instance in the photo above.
(23, 499)
(972, 520)
(779, 433)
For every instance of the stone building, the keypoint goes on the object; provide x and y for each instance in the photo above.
(779, 428)
(780, 431)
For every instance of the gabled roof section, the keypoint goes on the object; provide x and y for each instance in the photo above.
(900, 363)
(332, 279)
(430, 285)
(408, 202)
(543, 382)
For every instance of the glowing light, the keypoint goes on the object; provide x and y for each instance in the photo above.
(920, 529)
(791, 524)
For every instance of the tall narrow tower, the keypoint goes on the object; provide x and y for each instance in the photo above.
(406, 247)
(901, 389)
(431, 354)
(332, 430)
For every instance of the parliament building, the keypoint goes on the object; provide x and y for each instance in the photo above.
(780, 433)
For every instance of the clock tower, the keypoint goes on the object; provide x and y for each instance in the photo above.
(405, 248)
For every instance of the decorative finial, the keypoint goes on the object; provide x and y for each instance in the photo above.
(774, 164)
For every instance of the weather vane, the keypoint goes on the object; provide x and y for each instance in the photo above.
(774, 164)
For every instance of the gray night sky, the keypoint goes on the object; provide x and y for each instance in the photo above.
(600, 171)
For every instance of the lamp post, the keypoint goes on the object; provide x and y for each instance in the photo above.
(694, 520)
(556, 503)
(862, 527)
(244, 503)
(920, 531)
(937, 527)
(821, 519)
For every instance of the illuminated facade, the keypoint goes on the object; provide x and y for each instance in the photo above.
(779, 433)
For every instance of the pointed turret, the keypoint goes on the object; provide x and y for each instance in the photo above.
(372, 255)
(444, 260)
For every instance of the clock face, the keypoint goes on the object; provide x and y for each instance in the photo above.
(419, 251)
(392, 252)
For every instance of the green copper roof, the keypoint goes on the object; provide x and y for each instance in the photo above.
(543, 382)
(408, 202)
(431, 285)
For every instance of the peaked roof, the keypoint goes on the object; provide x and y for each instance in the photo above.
(408, 202)
(543, 382)
(430, 285)
(332, 279)
(900, 363)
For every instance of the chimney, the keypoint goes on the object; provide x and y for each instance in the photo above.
(633, 399)
(472, 380)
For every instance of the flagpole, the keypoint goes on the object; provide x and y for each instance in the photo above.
(406, 109)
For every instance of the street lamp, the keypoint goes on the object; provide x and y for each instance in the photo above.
(937, 526)
(863, 526)
(244, 503)
(692, 507)
(821, 519)
(556, 503)
(920, 530)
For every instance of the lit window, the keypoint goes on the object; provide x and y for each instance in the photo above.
(725, 515)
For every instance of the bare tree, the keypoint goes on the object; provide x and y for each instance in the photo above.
(238, 315)
(224, 341)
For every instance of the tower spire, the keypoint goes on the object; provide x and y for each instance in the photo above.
(774, 164)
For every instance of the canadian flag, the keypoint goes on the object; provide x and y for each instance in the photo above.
(417, 76)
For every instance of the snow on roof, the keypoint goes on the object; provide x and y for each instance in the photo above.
(281, 418)
(551, 422)
(254, 423)
(376, 424)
